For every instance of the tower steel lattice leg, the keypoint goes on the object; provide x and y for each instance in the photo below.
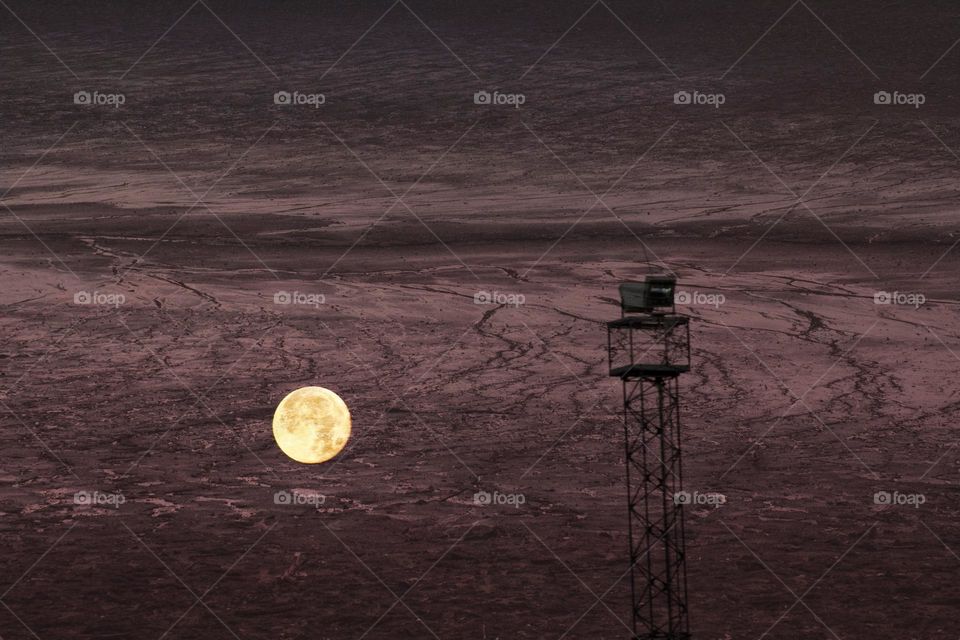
(658, 575)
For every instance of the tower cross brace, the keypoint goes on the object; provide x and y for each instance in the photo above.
(649, 347)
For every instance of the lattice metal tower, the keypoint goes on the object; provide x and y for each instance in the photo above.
(649, 347)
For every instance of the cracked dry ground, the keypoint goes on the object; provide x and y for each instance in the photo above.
(805, 397)
(168, 399)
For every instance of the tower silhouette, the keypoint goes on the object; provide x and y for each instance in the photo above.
(648, 349)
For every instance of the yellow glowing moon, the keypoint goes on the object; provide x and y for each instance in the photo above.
(311, 425)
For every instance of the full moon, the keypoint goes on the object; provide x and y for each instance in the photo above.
(311, 425)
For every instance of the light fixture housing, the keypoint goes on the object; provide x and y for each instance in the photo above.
(653, 295)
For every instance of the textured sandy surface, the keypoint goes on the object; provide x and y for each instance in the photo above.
(804, 400)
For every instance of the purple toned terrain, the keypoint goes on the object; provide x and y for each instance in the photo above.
(174, 265)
